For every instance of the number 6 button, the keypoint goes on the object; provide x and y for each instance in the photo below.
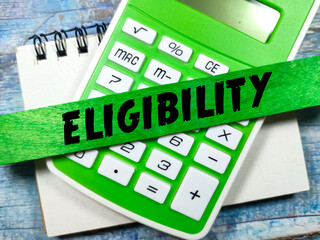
(164, 164)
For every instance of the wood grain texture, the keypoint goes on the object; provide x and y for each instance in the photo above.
(20, 216)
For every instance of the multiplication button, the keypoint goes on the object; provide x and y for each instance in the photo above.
(126, 57)
(210, 65)
(225, 135)
(175, 49)
(194, 193)
(116, 170)
(84, 158)
(152, 187)
(161, 73)
(114, 80)
(139, 31)
(212, 158)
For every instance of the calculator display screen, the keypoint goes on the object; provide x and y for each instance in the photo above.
(248, 16)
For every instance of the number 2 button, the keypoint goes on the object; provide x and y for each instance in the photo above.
(164, 164)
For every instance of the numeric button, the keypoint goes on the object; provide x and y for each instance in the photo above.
(194, 193)
(164, 164)
(180, 143)
(126, 57)
(225, 135)
(152, 187)
(84, 158)
(114, 80)
(131, 150)
(139, 31)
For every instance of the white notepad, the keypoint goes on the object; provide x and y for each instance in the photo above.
(275, 165)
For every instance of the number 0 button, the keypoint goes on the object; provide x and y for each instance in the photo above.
(164, 164)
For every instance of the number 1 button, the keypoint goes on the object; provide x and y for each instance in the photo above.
(194, 193)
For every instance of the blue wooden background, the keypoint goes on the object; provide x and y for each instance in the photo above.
(20, 216)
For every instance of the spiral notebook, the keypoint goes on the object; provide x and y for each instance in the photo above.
(50, 73)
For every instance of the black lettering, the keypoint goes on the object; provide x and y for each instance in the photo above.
(134, 60)
(108, 115)
(219, 97)
(161, 73)
(128, 57)
(209, 65)
(201, 103)
(122, 53)
(260, 86)
(147, 106)
(186, 102)
(235, 85)
(164, 108)
(69, 127)
(91, 134)
(134, 117)
(127, 147)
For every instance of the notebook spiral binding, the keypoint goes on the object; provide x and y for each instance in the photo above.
(60, 40)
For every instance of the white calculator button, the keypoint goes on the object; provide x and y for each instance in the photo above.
(212, 158)
(180, 142)
(116, 170)
(190, 78)
(142, 86)
(139, 31)
(161, 73)
(244, 122)
(126, 57)
(131, 150)
(175, 49)
(95, 94)
(152, 187)
(114, 80)
(225, 135)
(164, 164)
(194, 193)
(210, 65)
(85, 158)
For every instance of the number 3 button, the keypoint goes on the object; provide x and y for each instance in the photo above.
(164, 164)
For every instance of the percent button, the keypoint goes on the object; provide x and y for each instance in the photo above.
(175, 49)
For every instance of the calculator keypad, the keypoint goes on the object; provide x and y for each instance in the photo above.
(180, 143)
(210, 66)
(194, 193)
(152, 187)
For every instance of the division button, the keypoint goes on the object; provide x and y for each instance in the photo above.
(152, 187)
(194, 193)
(164, 164)
(116, 170)
(161, 73)
(210, 65)
(175, 49)
(212, 158)
(114, 80)
(126, 57)
(131, 150)
(139, 31)
(180, 142)
(225, 135)
(85, 158)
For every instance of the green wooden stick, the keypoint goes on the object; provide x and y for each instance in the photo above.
(159, 111)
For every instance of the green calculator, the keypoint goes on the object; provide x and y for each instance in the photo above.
(177, 183)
